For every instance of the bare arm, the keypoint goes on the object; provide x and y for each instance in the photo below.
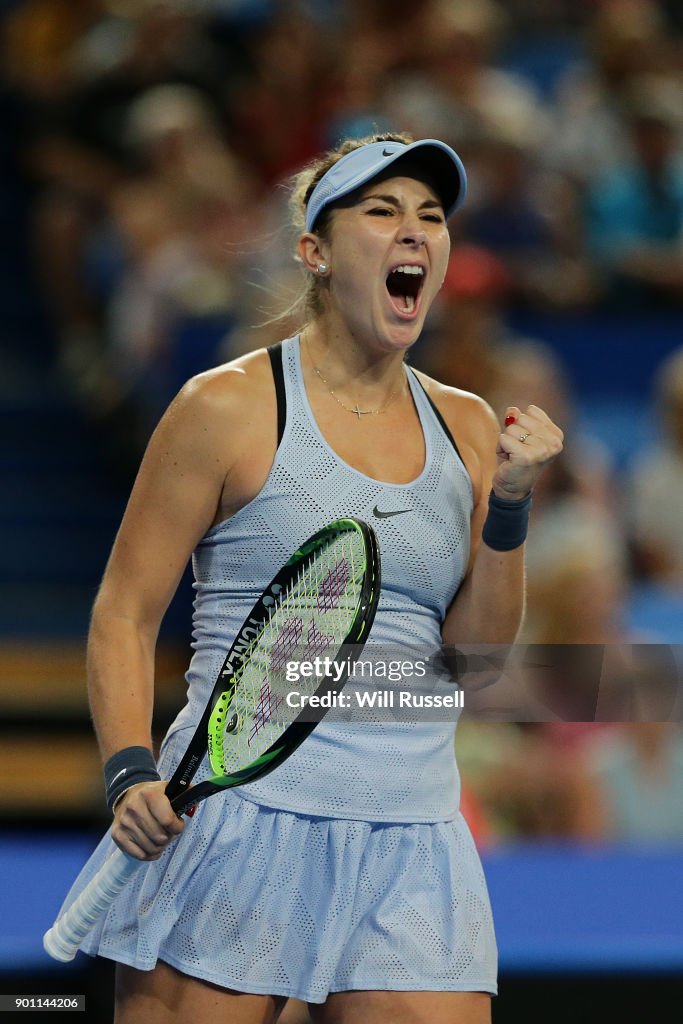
(171, 506)
(489, 606)
(173, 503)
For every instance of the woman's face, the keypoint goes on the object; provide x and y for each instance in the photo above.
(388, 253)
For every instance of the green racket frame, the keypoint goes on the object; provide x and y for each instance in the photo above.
(180, 793)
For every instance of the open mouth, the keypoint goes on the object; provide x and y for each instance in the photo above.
(404, 284)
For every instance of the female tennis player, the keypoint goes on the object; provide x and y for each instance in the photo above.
(347, 878)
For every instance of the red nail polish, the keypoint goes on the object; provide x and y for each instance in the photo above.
(509, 420)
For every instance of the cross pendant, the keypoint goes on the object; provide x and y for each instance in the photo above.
(361, 412)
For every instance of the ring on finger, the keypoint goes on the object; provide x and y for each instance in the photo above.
(523, 437)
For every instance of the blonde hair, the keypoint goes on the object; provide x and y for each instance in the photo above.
(308, 303)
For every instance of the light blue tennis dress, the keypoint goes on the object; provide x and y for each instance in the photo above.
(349, 866)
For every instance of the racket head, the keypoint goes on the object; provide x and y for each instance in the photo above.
(66, 935)
(321, 603)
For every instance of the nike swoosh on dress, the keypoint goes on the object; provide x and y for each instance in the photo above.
(387, 515)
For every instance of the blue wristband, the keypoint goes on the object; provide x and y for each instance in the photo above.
(125, 769)
(507, 523)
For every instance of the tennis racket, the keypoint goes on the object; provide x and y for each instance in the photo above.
(321, 602)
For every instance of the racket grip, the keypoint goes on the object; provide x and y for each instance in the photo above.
(64, 938)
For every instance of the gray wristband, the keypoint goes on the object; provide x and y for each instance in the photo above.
(507, 523)
(127, 768)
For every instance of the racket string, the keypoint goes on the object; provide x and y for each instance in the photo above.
(333, 585)
(311, 616)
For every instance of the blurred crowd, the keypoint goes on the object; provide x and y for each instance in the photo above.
(156, 139)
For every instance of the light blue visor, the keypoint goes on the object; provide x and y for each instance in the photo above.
(442, 167)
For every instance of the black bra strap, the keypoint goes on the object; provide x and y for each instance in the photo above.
(275, 353)
(442, 422)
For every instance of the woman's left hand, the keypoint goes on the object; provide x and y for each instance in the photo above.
(528, 443)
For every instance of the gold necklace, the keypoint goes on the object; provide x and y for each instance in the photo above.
(358, 412)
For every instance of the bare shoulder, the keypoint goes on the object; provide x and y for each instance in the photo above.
(210, 405)
(469, 417)
(230, 387)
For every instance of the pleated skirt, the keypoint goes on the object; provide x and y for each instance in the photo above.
(267, 901)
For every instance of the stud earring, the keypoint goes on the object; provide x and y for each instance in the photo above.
(322, 268)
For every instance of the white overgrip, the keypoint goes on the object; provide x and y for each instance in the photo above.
(64, 938)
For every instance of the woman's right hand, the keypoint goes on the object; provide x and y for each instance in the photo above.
(144, 821)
